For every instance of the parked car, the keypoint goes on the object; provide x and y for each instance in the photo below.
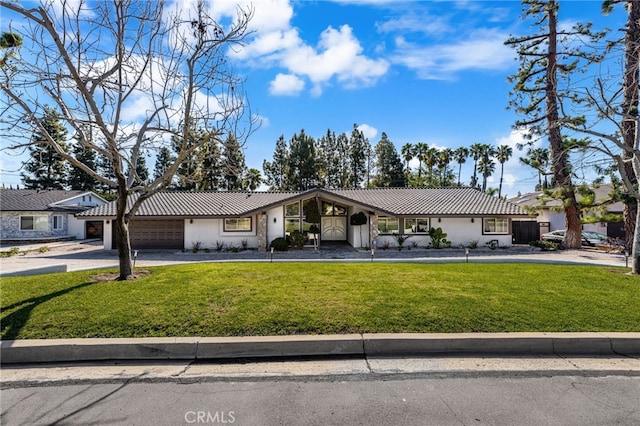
(588, 238)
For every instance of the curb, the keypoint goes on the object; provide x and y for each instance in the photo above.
(365, 345)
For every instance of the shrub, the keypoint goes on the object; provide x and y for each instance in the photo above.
(244, 244)
(400, 239)
(386, 244)
(493, 244)
(219, 246)
(473, 244)
(43, 249)
(280, 244)
(12, 252)
(297, 239)
(545, 245)
(196, 246)
(438, 238)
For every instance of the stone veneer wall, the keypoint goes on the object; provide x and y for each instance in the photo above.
(262, 232)
(10, 225)
(373, 228)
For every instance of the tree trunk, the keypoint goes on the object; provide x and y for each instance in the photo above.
(630, 107)
(635, 251)
(560, 161)
(122, 238)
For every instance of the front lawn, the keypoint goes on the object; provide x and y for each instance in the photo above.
(225, 299)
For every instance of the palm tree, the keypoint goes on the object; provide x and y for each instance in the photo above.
(460, 155)
(538, 158)
(430, 160)
(486, 165)
(444, 158)
(408, 152)
(503, 153)
(419, 151)
(476, 152)
(253, 179)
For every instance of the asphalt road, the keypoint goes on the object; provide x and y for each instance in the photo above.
(559, 400)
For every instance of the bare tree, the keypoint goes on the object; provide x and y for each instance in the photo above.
(126, 76)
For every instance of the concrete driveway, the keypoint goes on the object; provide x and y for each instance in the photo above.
(81, 255)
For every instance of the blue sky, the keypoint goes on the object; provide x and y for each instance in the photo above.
(420, 71)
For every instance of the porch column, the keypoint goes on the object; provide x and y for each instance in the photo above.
(262, 232)
(373, 228)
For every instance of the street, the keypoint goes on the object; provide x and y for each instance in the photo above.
(464, 397)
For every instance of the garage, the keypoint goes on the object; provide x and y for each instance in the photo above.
(155, 234)
(93, 229)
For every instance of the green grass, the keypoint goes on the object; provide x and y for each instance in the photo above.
(322, 298)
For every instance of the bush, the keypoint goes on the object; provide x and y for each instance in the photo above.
(438, 238)
(279, 244)
(545, 245)
(196, 246)
(12, 252)
(297, 239)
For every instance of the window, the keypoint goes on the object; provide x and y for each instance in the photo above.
(388, 225)
(242, 224)
(34, 223)
(495, 225)
(416, 225)
(332, 209)
(57, 222)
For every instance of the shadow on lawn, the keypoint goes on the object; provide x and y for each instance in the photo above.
(15, 321)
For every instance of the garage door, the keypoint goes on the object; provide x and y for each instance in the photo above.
(155, 234)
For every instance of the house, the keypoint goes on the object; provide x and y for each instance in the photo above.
(180, 220)
(550, 215)
(33, 215)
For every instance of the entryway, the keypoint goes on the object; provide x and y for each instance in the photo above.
(334, 228)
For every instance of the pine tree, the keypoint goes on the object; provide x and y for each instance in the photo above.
(233, 164)
(359, 154)
(303, 174)
(142, 172)
(537, 94)
(163, 160)
(78, 178)
(190, 171)
(388, 165)
(212, 167)
(277, 171)
(46, 169)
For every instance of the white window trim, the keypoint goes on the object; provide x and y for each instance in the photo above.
(484, 227)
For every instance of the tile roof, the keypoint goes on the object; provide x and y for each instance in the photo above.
(34, 199)
(202, 203)
(394, 201)
(431, 201)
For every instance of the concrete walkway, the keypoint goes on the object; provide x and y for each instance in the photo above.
(74, 256)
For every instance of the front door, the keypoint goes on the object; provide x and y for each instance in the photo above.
(334, 228)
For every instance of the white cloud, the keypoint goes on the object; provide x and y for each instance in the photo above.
(369, 132)
(338, 55)
(482, 50)
(286, 84)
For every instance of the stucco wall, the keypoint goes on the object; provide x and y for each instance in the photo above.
(77, 227)
(460, 231)
(275, 229)
(210, 231)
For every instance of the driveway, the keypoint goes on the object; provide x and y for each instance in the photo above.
(81, 255)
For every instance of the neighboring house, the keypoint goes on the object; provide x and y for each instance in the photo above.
(550, 215)
(179, 220)
(32, 215)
